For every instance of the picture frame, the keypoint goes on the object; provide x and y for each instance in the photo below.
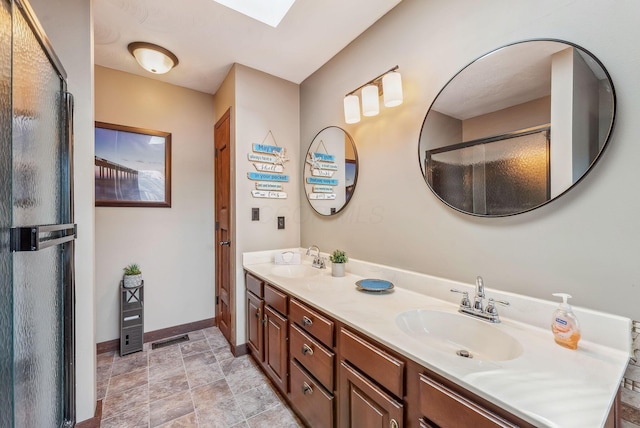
(132, 167)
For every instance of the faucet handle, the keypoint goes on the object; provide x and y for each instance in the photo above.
(491, 307)
(465, 302)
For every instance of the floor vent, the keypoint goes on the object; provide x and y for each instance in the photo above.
(170, 341)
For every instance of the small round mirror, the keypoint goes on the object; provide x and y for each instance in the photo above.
(517, 128)
(330, 170)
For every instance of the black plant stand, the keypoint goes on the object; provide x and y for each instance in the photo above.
(131, 319)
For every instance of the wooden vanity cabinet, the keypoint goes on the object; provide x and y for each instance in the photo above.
(371, 384)
(255, 316)
(335, 376)
(312, 365)
(267, 329)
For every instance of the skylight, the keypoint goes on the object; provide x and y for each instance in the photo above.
(269, 12)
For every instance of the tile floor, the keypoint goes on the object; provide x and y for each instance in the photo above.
(197, 383)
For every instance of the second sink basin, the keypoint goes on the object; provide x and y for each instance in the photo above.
(294, 271)
(454, 332)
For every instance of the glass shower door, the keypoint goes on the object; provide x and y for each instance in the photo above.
(39, 266)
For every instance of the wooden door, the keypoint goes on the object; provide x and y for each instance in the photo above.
(224, 254)
(363, 404)
(275, 347)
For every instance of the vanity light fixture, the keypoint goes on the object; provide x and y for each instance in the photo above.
(352, 109)
(153, 58)
(388, 84)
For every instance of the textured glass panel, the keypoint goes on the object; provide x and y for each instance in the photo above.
(6, 312)
(37, 290)
(38, 338)
(36, 131)
(496, 178)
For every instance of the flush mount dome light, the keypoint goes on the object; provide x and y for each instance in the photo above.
(153, 58)
(268, 12)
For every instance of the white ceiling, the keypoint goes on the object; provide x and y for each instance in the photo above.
(208, 38)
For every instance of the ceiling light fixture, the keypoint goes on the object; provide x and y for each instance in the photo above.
(153, 58)
(388, 84)
(268, 12)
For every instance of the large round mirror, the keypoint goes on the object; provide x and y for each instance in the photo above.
(330, 170)
(517, 128)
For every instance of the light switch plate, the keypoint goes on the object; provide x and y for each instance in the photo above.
(255, 214)
(280, 222)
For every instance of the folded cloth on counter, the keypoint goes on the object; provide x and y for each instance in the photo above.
(287, 258)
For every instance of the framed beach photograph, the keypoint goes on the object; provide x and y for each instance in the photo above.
(132, 166)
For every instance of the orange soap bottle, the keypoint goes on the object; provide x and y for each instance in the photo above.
(564, 324)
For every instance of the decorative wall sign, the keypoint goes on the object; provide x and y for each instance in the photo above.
(269, 161)
(321, 173)
(322, 196)
(266, 167)
(255, 157)
(261, 176)
(268, 186)
(268, 194)
(325, 181)
(322, 189)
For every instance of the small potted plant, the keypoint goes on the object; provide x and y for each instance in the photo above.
(338, 259)
(132, 276)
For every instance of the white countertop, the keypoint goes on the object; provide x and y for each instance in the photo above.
(547, 385)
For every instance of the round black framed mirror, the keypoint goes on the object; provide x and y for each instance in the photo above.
(517, 128)
(330, 170)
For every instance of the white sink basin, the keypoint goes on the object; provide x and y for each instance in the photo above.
(294, 271)
(451, 332)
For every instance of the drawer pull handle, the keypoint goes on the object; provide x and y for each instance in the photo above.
(306, 321)
(306, 350)
(393, 423)
(258, 313)
(306, 389)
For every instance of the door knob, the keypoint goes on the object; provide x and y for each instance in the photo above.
(227, 243)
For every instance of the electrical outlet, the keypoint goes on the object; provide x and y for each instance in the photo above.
(255, 214)
(280, 222)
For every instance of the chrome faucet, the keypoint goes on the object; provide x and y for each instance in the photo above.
(490, 313)
(477, 301)
(318, 261)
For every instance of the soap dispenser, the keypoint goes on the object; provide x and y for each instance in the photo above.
(564, 324)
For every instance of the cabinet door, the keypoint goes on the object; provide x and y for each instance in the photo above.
(363, 404)
(255, 326)
(275, 348)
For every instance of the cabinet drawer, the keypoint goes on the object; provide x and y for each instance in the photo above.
(312, 355)
(310, 399)
(276, 299)
(254, 285)
(444, 407)
(377, 364)
(312, 322)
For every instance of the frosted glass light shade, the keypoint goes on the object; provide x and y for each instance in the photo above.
(392, 89)
(153, 58)
(370, 103)
(351, 109)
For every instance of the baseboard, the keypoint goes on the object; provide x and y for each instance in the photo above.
(94, 422)
(164, 333)
(239, 350)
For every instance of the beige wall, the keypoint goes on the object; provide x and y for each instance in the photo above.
(174, 246)
(585, 243)
(515, 118)
(261, 103)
